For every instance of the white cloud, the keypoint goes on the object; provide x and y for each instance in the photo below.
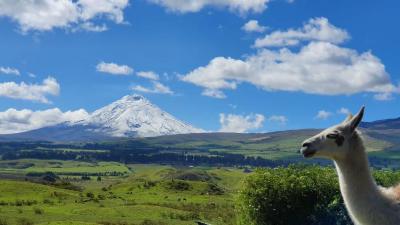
(148, 75)
(238, 6)
(213, 93)
(343, 110)
(45, 15)
(233, 106)
(317, 29)
(112, 9)
(9, 70)
(253, 26)
(33, 92)
(323, 115)
(385, 96)
(157, 88)
(239, 123)
(278, 118)
(114, 69)
(317, 68)
(32, 75)
(89, 26)
(15, 121)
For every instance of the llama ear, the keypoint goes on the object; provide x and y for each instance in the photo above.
(348, 118)
(353, 122)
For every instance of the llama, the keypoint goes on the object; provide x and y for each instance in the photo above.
(366, 203)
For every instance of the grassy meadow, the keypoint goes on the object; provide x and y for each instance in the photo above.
(142, 194)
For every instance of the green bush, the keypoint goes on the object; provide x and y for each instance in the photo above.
(3, 222)
(386, 178)
(24, 221)
(294, 195)
(38, 211)
(178, 185)
(297, 195)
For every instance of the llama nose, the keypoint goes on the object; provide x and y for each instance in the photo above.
(304, 147)
(306, 144)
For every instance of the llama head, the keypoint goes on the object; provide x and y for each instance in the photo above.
(333, 142)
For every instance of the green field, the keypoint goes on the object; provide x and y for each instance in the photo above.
(60, 167)
(146, 194)
(103, 183)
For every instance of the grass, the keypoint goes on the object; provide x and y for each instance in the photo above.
(60, 167)
(146, 193)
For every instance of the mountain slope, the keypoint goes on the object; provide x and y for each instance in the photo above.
(130, 116)
(382, 124)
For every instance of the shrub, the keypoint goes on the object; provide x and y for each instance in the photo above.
(24, 221)
(178, 185)
(3, 222)
(50, 177)
(90, 195)
(294, 195)
(214, 189)
(85, 177)
(152, 222)
(38, 211)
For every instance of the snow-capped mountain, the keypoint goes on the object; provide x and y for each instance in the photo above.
(130, 116)
(134, 115)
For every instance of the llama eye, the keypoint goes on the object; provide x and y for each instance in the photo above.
(332, 136)
(339, 139)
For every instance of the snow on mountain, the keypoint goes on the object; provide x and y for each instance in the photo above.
(135, 116)
(131, 116)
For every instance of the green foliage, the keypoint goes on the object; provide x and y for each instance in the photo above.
(289, 196)
(178, 185)
(152, 222)
(214, 189)
(3, 222)
(386, 178)
(38, 211)
(25, 221)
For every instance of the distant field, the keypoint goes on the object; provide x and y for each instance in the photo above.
(150, 194)
(24, 166)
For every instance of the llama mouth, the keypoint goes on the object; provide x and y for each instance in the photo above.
(308, 153)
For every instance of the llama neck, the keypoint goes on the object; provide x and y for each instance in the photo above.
(363, 199)
(353, 171)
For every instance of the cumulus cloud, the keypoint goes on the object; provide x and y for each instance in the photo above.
(148, 75)
(9, 70)
(33, 92)
(239, 123)
(15, 121)
(89, 26)
(157, 88)
(278, 118)
(318, 67)
(323, 115)
(253, 26)
(316, 29)
(238, 6)
(45, 15)
(343, 110)
(385, 96)
(213, 93)
(113, 68)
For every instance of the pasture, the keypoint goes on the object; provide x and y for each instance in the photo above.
(141, 194)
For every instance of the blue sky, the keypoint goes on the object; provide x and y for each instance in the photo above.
(209, 70)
